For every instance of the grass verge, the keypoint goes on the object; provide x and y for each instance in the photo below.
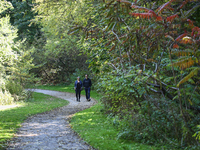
(94, 127)
(12, 118)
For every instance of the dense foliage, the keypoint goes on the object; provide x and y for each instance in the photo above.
(56, 54)
(146, 56)
(15, 63)
(21, 15)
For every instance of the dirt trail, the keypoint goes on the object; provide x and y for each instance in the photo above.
(51, 130)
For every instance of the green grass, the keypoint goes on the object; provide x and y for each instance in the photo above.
(11, 119)
(95, 129)
(93, 126)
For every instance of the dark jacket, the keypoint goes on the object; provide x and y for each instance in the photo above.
(75, 84)
(87, 83)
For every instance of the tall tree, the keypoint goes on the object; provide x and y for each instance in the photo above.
(62, 53)
(21, 15)
(15, 63)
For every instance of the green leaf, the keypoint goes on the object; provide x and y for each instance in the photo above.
(192, 73)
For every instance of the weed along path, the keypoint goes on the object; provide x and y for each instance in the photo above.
(51, 130)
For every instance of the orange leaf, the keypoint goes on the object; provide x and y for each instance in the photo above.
(153, 13)
(175, 46)
(171, 18)
(159, 18)
(180, 37)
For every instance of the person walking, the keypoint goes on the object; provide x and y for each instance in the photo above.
(78, 87)
(87, 85)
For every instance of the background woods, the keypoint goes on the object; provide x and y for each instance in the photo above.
(61, 54)
(143, 55)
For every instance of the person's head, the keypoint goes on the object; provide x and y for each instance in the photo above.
(78, 78)
(86, 76)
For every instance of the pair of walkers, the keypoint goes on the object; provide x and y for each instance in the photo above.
(78, 86)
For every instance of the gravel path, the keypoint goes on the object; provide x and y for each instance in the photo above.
(51, 130)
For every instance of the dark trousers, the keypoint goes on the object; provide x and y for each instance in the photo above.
(78, 94)
(87, 93)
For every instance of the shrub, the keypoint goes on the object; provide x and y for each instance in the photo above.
(17, 91)
(6, 98)
(14, 87)
(157, 121)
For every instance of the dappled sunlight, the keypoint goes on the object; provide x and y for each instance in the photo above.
(6, 133)
(6, 130)
(27, 135)
(84, 113)
(5, 107)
